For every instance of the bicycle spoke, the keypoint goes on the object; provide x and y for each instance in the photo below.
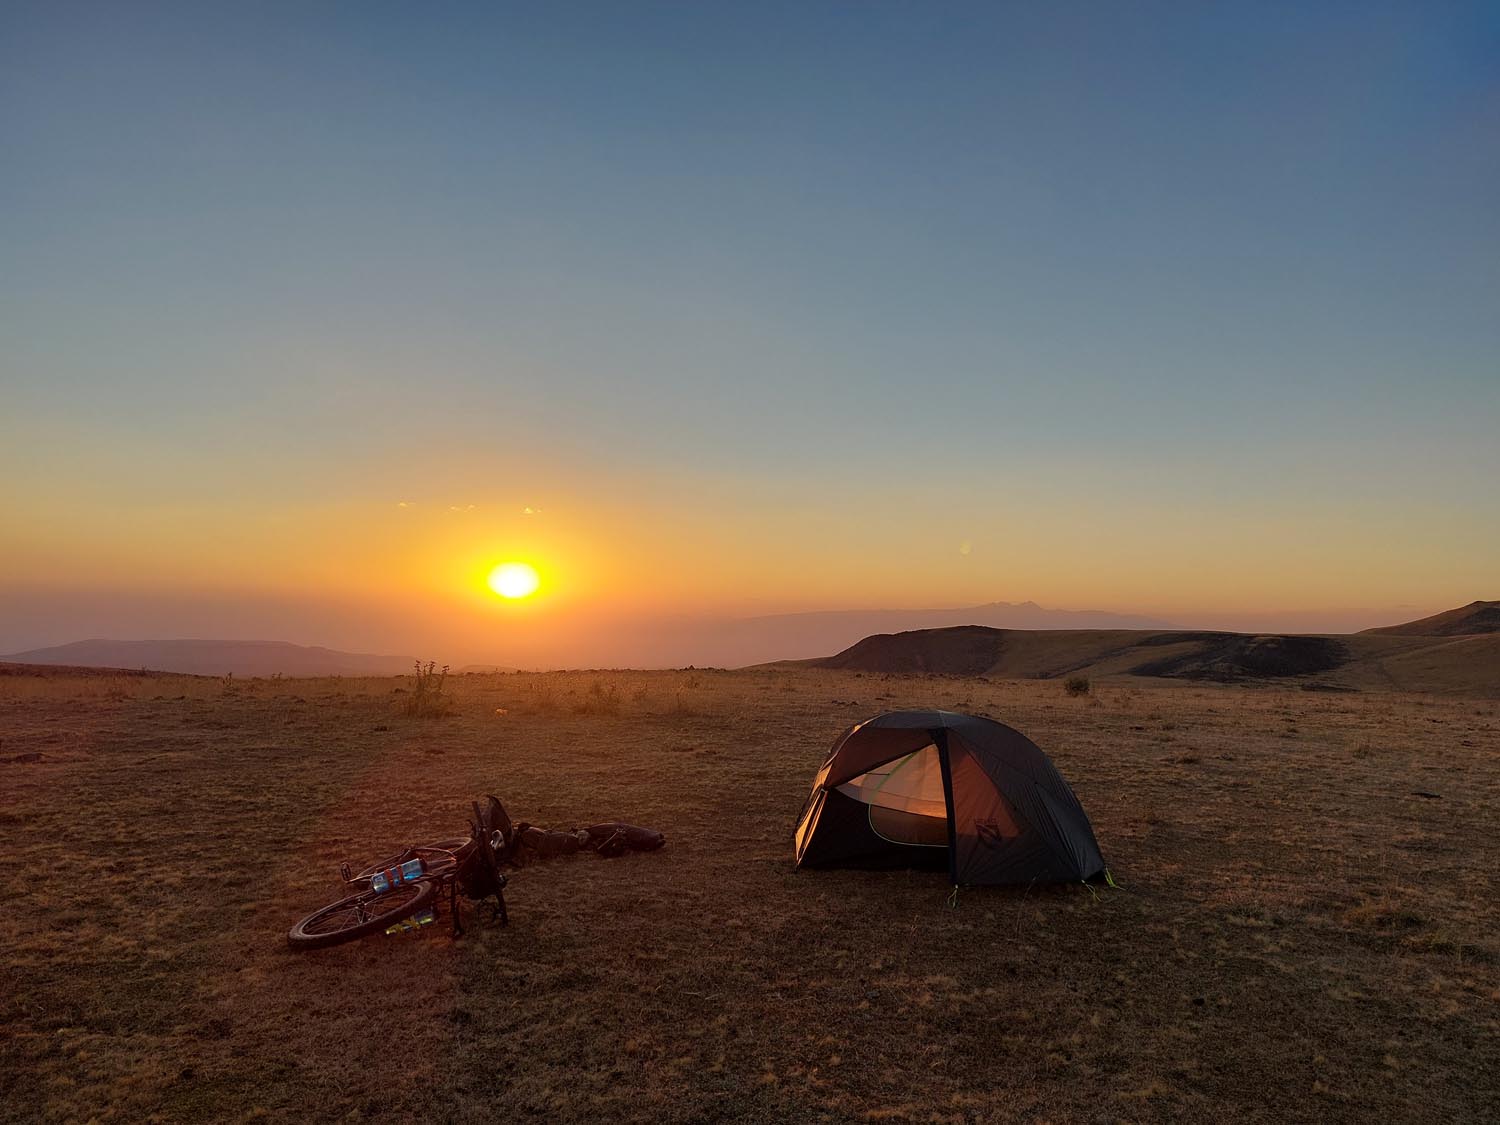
(360, 909)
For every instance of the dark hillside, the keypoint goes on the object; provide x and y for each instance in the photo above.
(1474, 618)
(1228, 657)
(973, 650)
(963, 650)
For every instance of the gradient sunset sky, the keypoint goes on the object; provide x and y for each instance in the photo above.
(313, 313)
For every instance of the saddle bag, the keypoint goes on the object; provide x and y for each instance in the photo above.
(475, 879)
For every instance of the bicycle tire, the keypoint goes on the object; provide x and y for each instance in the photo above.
(341, 921)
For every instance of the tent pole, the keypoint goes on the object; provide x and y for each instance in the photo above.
(940, 739)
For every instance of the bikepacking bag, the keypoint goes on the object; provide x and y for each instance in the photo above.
(545, 843)
(493, 818)
(614, 837)
(611, 839)
(475, 879)
(611, 846)
(559, 843)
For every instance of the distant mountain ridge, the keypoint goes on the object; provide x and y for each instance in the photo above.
(1000, 638)
(999, 615)
(216, 658)
(800, 636)
(1457, 651)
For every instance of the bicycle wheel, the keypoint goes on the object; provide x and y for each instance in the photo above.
(361, 914)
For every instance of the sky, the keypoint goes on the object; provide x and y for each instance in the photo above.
(311, 314)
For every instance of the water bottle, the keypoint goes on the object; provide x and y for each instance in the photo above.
(382, 881)
(415, 922)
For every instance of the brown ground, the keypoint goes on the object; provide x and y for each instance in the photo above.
(1303, 936)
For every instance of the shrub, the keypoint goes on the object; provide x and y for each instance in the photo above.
(604, 699)
(1076, 685)
(543, 698)
(426, 700)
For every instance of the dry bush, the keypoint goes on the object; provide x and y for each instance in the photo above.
(1077, 685)
(543, 697)
(603, 699)
(681, 705)
(426, 699)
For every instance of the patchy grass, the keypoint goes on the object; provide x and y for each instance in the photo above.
(1301, 937)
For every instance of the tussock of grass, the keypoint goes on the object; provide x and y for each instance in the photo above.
(1383, 914)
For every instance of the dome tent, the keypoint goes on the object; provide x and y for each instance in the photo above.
(938, 789)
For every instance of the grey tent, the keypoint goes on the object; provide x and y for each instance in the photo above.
(947, 791)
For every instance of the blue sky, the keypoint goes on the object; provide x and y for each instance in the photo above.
(992, 270)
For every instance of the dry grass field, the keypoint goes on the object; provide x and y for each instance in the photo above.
(1309, 928)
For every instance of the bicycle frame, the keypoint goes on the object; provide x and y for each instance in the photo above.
(471, 864)
(441, 861)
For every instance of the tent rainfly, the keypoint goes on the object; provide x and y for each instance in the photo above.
(936, 789)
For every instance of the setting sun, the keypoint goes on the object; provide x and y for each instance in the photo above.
(514, 580)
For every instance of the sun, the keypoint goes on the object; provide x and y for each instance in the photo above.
(514, 580)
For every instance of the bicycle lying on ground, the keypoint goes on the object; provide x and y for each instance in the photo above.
(404, 891)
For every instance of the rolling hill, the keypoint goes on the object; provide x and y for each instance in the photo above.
(216, 658)
(1469, 620)
(1460, 654)
(736, 642)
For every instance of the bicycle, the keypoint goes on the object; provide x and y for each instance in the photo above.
(404, 890)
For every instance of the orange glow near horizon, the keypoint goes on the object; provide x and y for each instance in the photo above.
(624, 572)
